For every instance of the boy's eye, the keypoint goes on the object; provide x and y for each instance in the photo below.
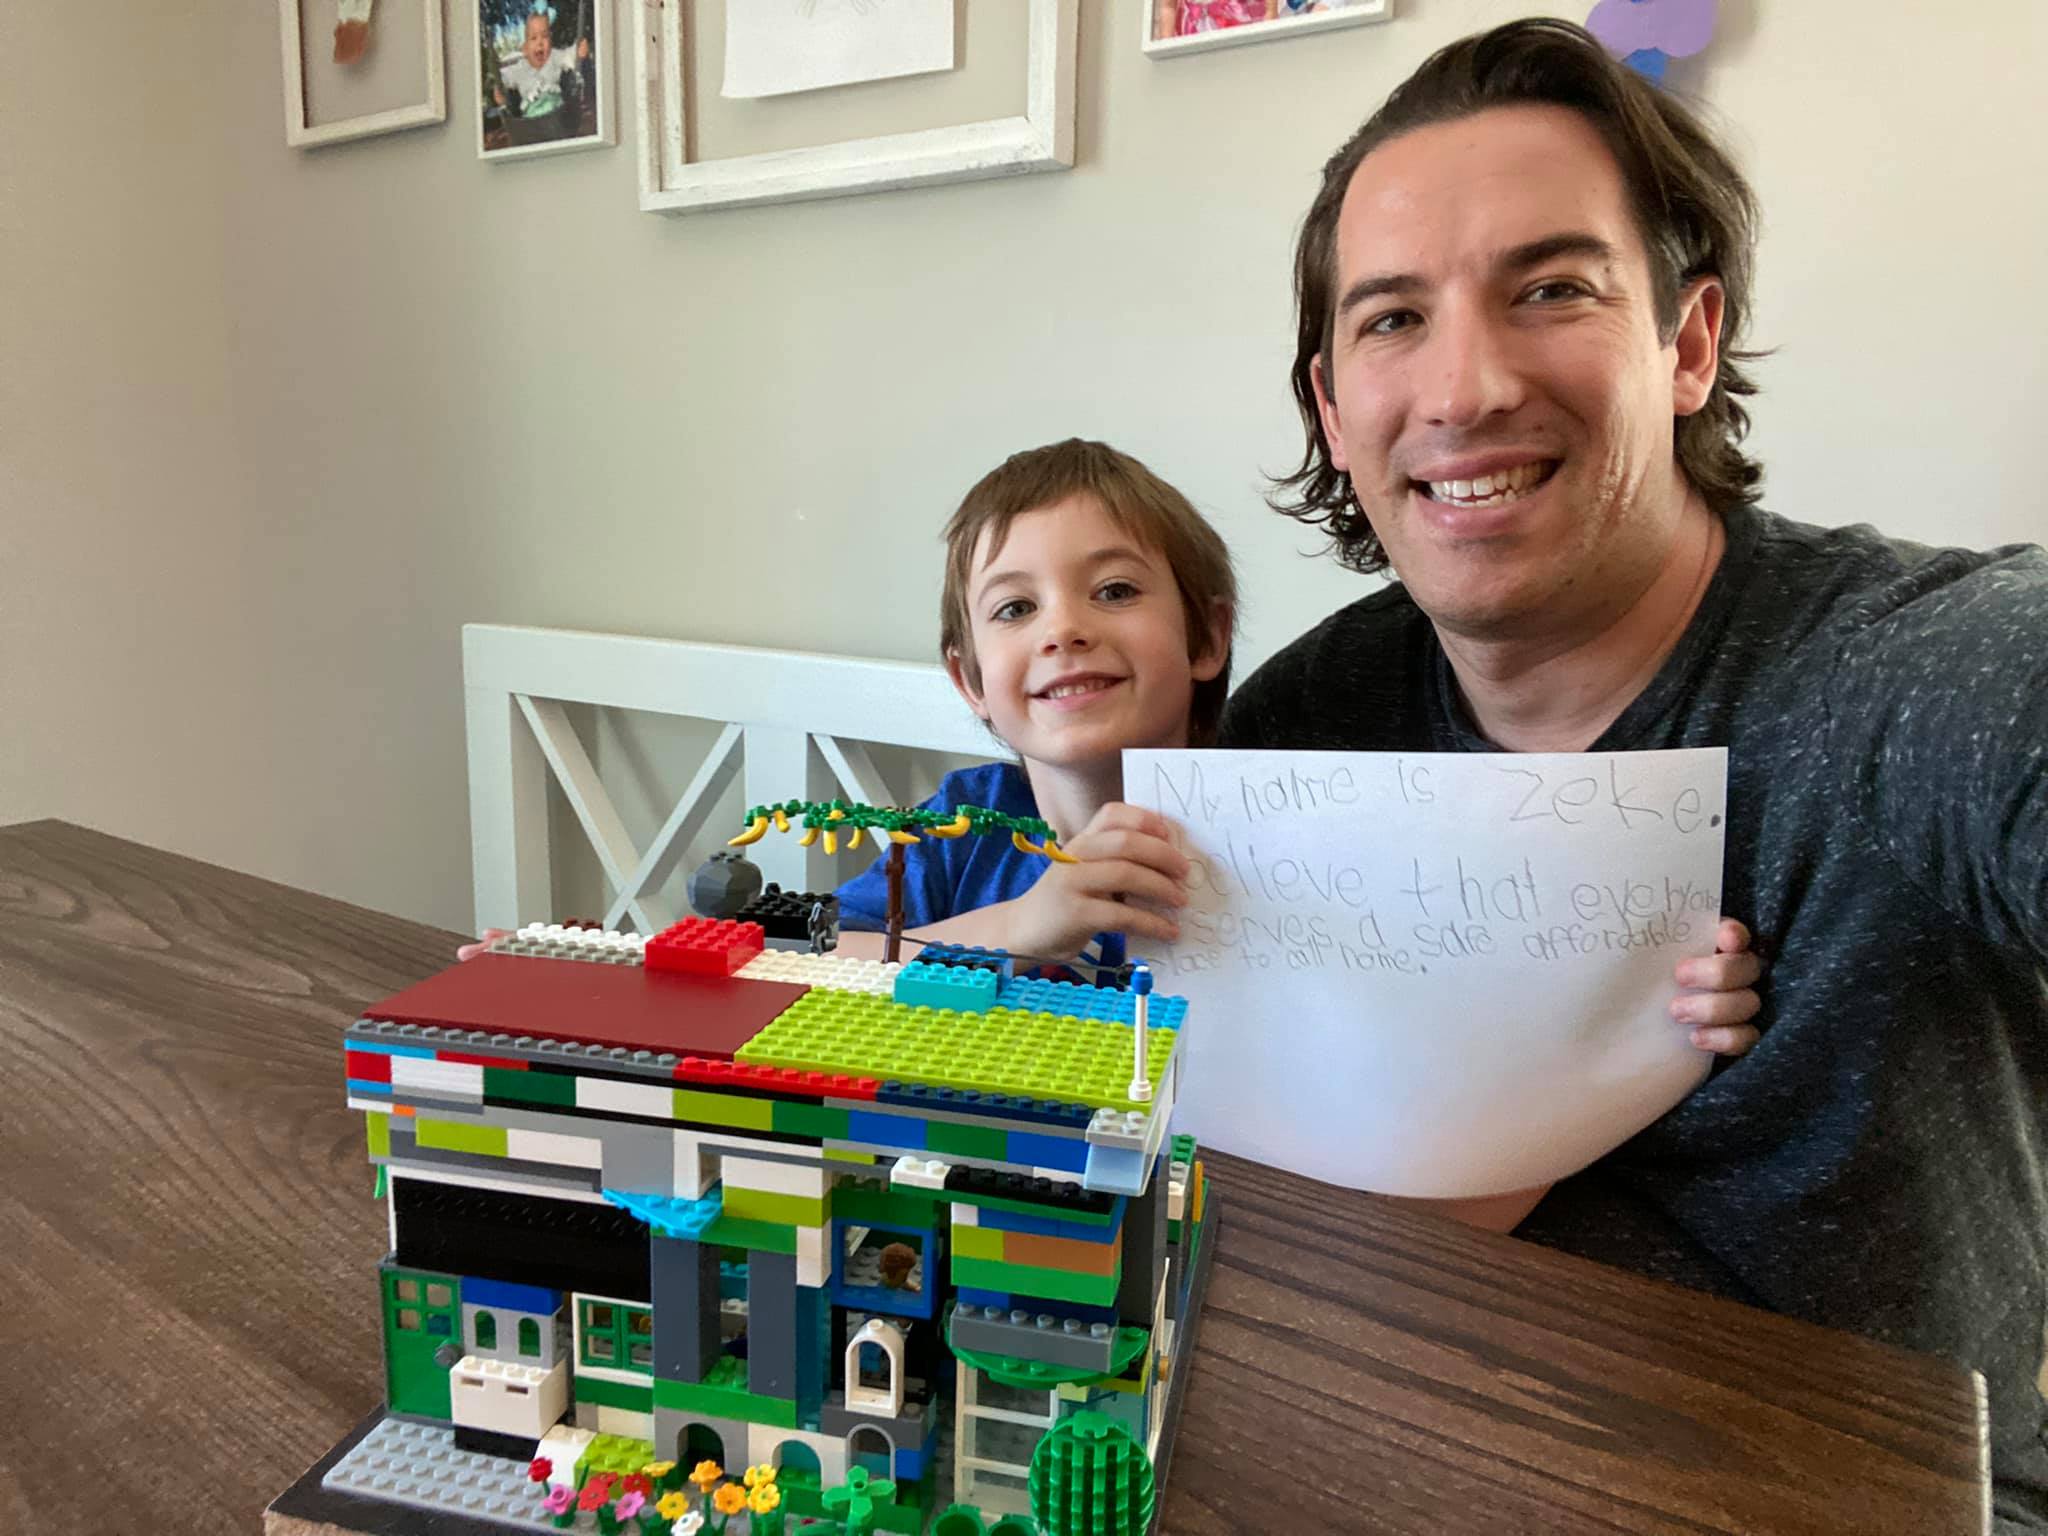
(1010, 610)
(1116, 591)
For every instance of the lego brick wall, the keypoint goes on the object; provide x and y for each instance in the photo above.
(273, 422)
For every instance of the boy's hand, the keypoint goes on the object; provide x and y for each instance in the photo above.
(1721, 998)
(1123, 853)
(483, 942)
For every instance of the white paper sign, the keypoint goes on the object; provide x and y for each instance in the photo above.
(774, 47)
(1436, 974)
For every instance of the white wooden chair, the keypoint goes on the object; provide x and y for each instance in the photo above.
(795, 725)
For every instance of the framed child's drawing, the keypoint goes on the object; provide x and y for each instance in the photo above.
(780, 100)
(544, 82)
(1190, 26)
(353, 68)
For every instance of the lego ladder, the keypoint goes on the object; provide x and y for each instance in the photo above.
(969, 1484)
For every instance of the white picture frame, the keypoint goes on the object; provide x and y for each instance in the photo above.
(1352, 15)
(300, 134)
(603, 73)
(1042, 139)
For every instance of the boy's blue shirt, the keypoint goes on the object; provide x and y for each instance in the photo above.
(947, 876)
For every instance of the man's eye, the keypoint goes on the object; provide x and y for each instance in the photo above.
(1393, 320)
(1556, 289)
(1008, 612)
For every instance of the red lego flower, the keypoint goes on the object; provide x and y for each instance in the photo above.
(538, 1469)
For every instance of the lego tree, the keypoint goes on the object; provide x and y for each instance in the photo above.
(900, 826)
(1090, 1478)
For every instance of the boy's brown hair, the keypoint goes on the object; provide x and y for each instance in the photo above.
(1141, 505)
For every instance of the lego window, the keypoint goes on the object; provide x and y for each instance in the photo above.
(439, 1295)
(886, 1260)
(408, 1319)
(618, 1336)
(529, 1338)
(486, 1331)
(440, 1324)
(406, 1290)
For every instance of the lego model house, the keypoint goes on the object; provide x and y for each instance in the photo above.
(880, 1229)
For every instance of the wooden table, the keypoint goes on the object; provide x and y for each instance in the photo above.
(189, 1247)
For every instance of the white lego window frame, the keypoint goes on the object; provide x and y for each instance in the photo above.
(795, 724)
(1042, 139)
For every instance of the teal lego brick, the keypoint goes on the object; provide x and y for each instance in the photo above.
(923, 985)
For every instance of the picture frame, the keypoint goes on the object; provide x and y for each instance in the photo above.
(399, 26)
(1042, 139)
(581, 32)
(1341, 13)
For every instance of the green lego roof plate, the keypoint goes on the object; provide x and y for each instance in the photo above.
(1002, 1050)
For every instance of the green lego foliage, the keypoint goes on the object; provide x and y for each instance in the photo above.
(1090, 1478)
(1002, 1050)
(842, 816)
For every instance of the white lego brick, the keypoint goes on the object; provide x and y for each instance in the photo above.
(812, 1267)
(553, 1147)
(563, 1448)
(775, 1178)
(966, 1215)
(1177, 1200)
(693, 1174)
(920, 1172)
(506, 1397)
(442, 1079)
(832, 973)
(624, 1422)
(651, 1100)
(373, 1106)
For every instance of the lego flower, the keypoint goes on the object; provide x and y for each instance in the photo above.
(672, 1506)
(730, 1499)
(637, 1483)
(689, 1525)
(756, 1476)
(558, 1499)
(657, 1470)
(538, 1469)
(593, 1497)
(707, 1473)
(764, 1498)
(630, 1504)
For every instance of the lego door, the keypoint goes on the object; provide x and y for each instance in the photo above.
(422, 1339)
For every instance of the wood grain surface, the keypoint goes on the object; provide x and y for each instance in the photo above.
(188, 1245)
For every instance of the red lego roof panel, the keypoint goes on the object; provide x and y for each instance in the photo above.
(609, 1005)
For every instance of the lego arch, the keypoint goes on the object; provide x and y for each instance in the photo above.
(886, 1401)
(697, 1442)
(874, 1443)
(795, 1456)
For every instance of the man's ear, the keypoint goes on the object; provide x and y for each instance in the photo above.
(1326, 409)
(1213, 653)
(967, 685)
(1697, 344)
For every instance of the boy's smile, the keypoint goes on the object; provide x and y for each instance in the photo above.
(1080, 640)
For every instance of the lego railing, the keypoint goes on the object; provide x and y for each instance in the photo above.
(795, 725)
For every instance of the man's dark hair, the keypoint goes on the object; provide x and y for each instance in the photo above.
(1695, 213)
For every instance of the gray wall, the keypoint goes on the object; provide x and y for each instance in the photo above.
(274, 423)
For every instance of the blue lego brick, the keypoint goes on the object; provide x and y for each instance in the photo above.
(906, 1131)
(668, 1215)
(1063, 1153)
(509, 1297)
(384, 1048)
(369, 1090)
(1069, 1000)
(969, 1296)
(911, 1460)
(1041, 1226)
(970, 1101)
(923, 985)
(970, 956)
(1115, 1171)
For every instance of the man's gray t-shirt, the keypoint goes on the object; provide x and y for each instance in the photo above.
(1879, 1161)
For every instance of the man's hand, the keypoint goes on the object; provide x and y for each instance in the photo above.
(1124, 854)
(1721, 998)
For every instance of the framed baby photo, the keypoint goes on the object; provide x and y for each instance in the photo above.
(1191, 26)
(353, 68)
(544, 77)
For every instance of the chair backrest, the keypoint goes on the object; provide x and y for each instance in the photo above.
(795, 724)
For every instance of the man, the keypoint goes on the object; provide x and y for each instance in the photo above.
(1519, 291)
